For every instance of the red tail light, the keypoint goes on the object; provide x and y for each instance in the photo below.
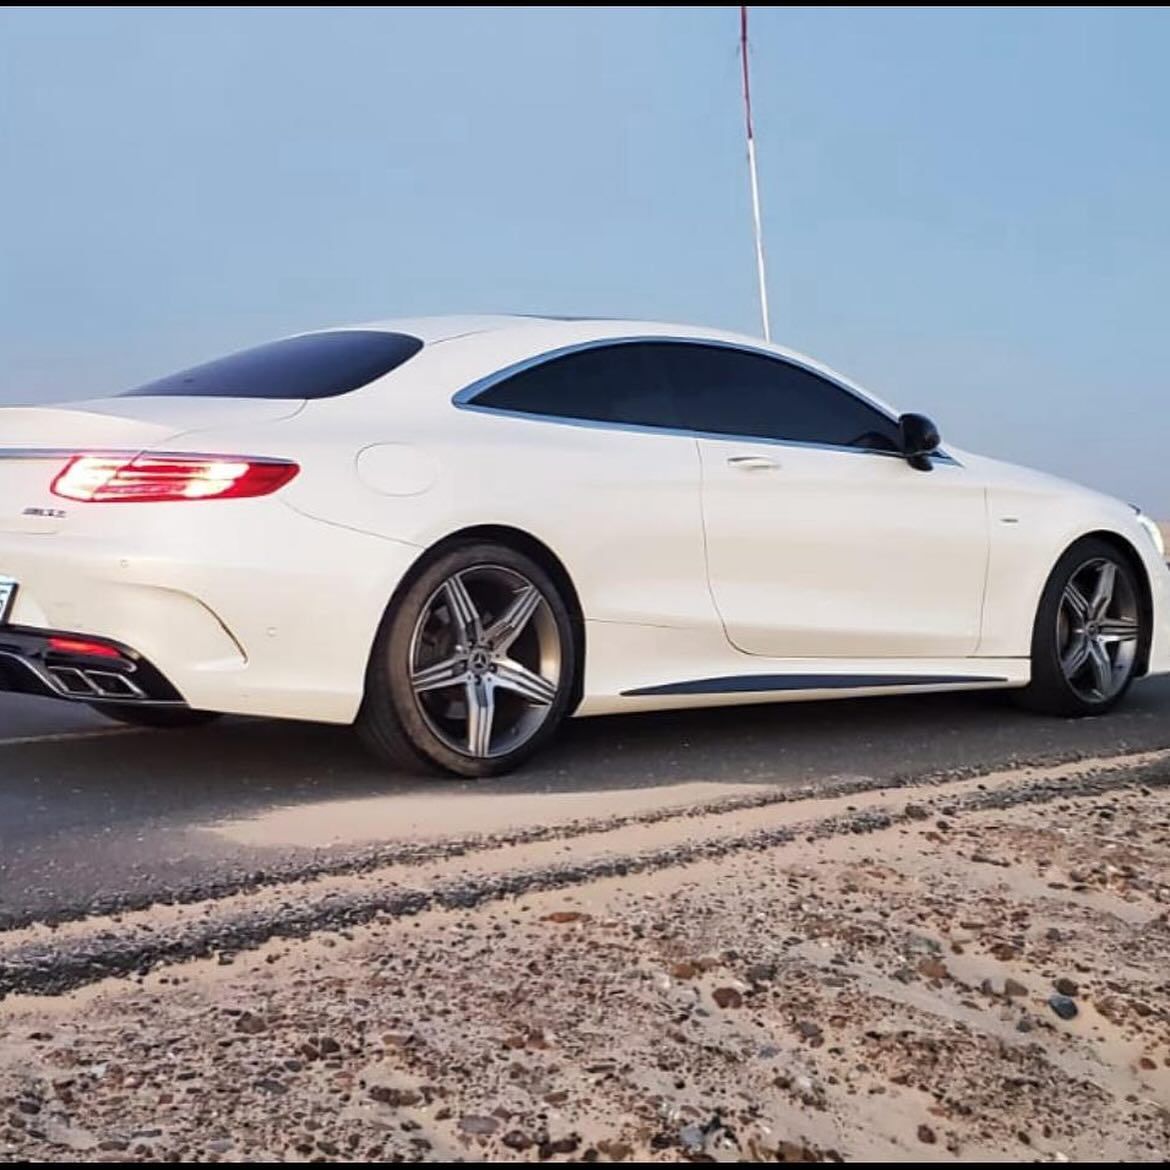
(83, 647)
(141, 479)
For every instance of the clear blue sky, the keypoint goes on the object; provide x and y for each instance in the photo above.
(967, 210)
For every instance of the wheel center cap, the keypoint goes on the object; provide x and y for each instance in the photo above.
(479, 660)
(1092, 629)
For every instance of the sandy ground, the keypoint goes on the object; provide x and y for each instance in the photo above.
(953, 969)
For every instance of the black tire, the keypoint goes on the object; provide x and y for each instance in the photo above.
(1051, 690)
(160, 717)
(416, 731)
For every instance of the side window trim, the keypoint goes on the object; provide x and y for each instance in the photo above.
(467, 396)
(465, 399)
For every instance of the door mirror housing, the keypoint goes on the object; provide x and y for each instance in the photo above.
(920, 439)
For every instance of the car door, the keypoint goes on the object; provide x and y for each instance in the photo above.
(585, 450)
(822, 541)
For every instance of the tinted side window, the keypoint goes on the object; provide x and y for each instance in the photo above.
(610, 383)
(733, 392)
(316, 365)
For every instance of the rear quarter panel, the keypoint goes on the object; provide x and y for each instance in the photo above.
(620, 509)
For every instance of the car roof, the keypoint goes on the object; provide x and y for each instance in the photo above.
(562, 330)
(448, 327)
(432, 330)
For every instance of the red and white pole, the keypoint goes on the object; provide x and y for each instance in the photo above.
(755, 181)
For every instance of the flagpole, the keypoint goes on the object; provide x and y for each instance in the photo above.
(755, 181)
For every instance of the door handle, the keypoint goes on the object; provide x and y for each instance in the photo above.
(753, 463)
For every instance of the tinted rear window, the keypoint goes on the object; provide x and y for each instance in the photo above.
(317, 365)
(609, 383)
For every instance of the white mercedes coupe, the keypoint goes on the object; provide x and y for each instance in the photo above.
(455, 532)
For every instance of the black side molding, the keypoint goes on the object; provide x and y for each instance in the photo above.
(763, 683)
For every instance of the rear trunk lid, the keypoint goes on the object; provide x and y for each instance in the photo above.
(37, 441)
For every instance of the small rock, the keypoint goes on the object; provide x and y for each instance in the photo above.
(615, 1151)
(926, 1135)
(328, 1046)
(1066, 986)
(761, 972)
(809, 1029)
(916, 812)
(250, 1024)
(396, 1098)
(1064, 1006)
(516, 1139)
(933, 968)
(796, 1152)
(807, 1091)
(474, 1123)
(684, 970)
(1014, 989)
(565, 1145)
(562, 916)
(727, 997)
(923, 944)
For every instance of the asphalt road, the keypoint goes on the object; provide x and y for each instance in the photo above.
(93, 817)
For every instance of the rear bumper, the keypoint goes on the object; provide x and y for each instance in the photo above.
(31, 664)
(245, 607)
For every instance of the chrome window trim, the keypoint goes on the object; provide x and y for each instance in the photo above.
(465, 399)
(127, 453)
(43, 453)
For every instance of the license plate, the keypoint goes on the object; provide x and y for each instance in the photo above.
(7, 597)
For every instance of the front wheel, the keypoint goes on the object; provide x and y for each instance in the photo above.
(1089, 628)
(472, 669)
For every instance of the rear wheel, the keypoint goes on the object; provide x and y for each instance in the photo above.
(472, 669)
(1089, 628)
(161, 717)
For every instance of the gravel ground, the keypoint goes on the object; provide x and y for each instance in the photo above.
(968, 968)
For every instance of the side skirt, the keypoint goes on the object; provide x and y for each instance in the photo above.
(767, 683)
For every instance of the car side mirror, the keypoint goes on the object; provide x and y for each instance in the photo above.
(920, 439)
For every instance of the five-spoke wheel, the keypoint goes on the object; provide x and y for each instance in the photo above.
(1088, 632)
(485, 660)
(1098, 625)
(473, 666)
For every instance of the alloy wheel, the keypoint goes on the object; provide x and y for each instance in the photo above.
(485, 661)
(1097, 628)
